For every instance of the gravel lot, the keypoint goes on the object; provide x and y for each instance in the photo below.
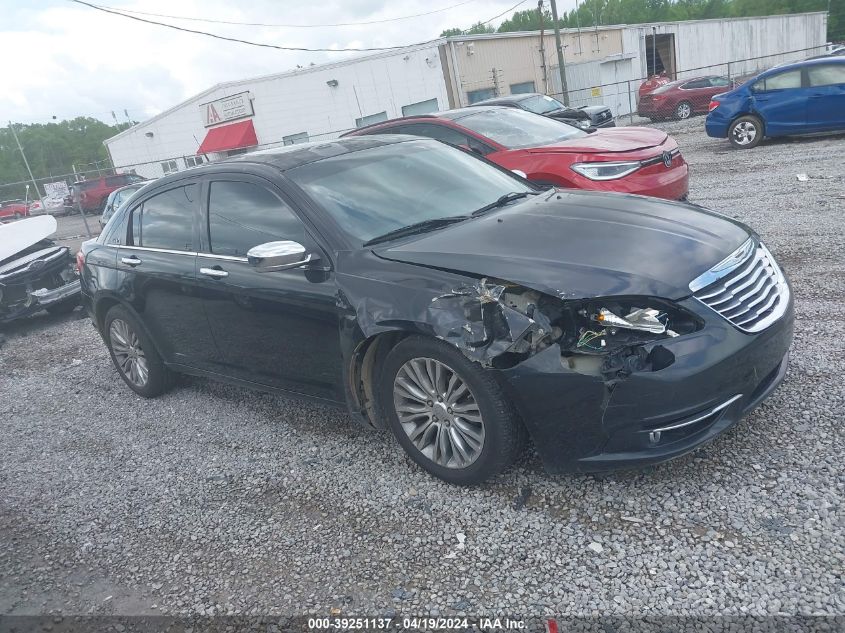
(214, 499)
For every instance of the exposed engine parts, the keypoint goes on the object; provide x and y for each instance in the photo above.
(504, 323)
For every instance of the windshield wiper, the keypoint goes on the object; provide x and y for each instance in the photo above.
(502, 201)
(417, 227)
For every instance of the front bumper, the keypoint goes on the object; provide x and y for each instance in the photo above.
(580, 423)
(40, 299)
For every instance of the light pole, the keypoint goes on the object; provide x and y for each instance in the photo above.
(25, 161)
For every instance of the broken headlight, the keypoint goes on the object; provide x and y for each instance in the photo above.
(600, 325)
(606, 170)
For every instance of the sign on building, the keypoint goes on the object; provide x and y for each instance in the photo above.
(57, 189)
(227, 109)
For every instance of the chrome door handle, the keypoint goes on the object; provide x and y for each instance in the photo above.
(131, 261)
(217, 273)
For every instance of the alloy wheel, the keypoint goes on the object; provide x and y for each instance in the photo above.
(128, 353)
(744, 133)
(684, 111)
(438, 412)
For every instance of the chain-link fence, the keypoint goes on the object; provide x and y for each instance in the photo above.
(622, 95)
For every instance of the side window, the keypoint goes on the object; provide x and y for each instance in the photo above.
(242, 215)
(696, 83)
(115, 181)
(719, 82)
(446, 135)
(826, 75)
(782, 81)
(166, 220)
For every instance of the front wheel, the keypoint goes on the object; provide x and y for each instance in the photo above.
(448, 413)
(746, 132)
(683, 110)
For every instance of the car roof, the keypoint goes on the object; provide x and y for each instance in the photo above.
(804, 63)
(290, 156)
(507, 98)
(451, 115)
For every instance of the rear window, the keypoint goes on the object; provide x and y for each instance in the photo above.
(88, 184)
(518, 128)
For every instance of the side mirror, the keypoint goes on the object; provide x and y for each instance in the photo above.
(278, 256)
(520, 173)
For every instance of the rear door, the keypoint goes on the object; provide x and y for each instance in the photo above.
(697, 93)
(158, 260)
(826, 98)
(781, 100)
(280, 328)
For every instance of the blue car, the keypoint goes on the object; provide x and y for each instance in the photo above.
(801, 98)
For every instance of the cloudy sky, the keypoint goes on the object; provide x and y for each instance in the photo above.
(61, 59)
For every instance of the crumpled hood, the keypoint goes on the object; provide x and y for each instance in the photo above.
(583, 244)
(604, 141)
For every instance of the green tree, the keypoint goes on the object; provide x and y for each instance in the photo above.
(53, 149)
(476, 29)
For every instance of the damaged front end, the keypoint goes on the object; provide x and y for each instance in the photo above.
(500, 325)
(41, 276)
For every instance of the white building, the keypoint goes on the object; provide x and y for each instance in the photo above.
(603, 65)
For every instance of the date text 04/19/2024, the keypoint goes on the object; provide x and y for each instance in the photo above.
(424, 623)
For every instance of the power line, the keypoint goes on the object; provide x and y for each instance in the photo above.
(291, 26)
(235, 39)
(274, 46)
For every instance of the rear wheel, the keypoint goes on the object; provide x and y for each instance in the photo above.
(746, 132)
(448, 413)
(683, 110)
(134, 355)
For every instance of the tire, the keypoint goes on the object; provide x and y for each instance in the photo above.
(124, 335)
(683, 110)
(63, 307)
(746, 132)
(489, 430)
(17, 215)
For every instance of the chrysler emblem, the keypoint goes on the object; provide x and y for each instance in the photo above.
(667, 159)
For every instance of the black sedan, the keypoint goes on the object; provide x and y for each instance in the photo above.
(583, 117)
(447, 299)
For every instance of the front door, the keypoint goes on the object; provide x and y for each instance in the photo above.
(278, 328)
(826, 98)
(157, 260)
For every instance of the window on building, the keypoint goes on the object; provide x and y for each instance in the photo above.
(293, 139)
(193, 161)
(370, 119)
(242, 215)
(522, 88)
(781, 81)
(420, 107)
(474, 96)
(169, 167)
(826, 74)
(166, 220)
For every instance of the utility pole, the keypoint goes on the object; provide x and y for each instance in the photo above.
(561, 64)
(543, 47)
(25, 161)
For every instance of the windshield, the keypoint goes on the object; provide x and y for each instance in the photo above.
(518, 128)
(374, 191)
(541, 104)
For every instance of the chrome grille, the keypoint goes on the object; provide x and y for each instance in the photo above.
(747, 288)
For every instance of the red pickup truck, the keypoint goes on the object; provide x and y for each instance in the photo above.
(13, 209)
(91, 194)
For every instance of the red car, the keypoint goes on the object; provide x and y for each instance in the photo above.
(637, 160)
(13, 209)
(683, 98)
(91, 194)
(655, 81)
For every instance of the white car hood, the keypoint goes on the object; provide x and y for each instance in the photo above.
(20, 235)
